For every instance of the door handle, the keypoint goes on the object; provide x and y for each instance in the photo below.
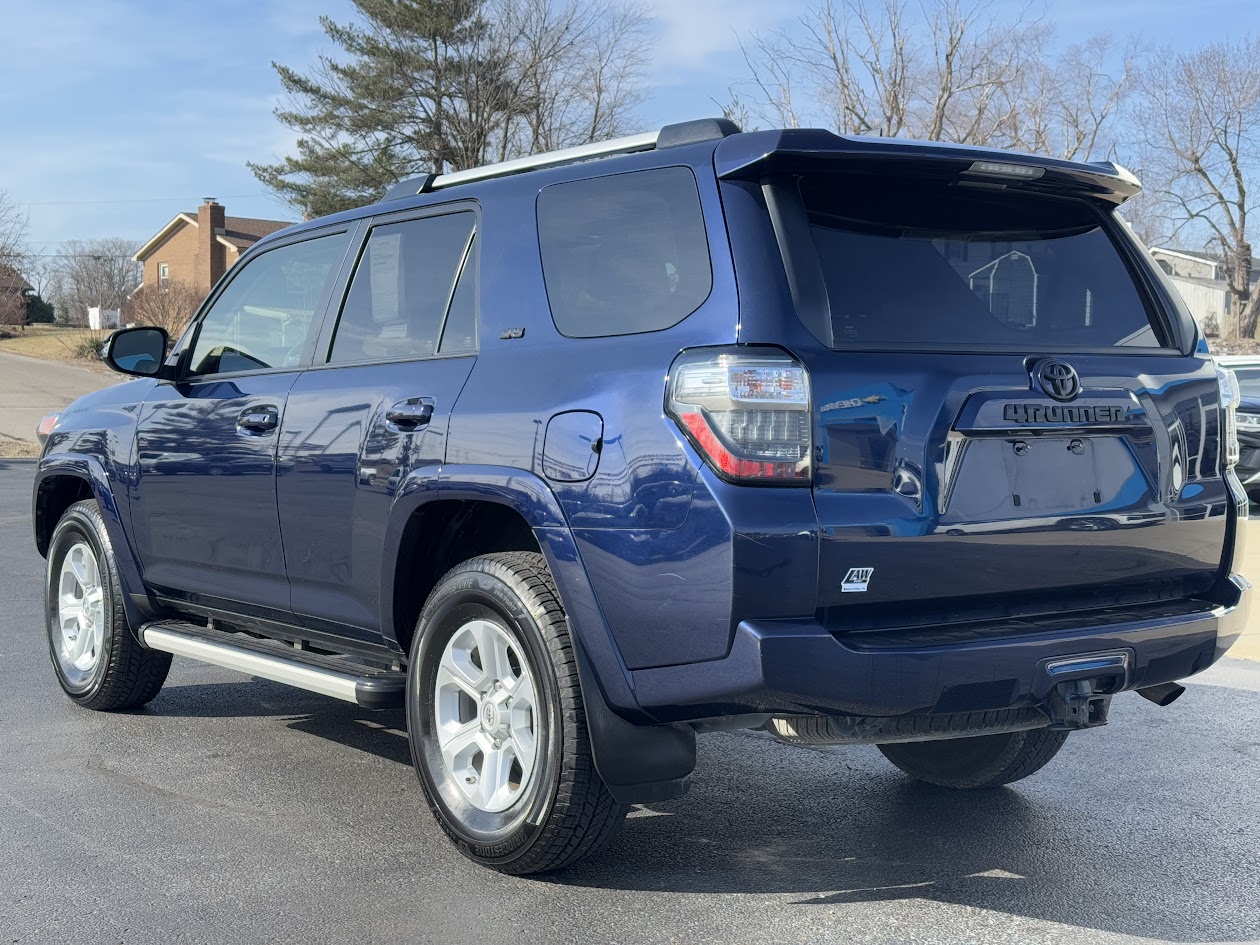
(254, 421)
(410, 414)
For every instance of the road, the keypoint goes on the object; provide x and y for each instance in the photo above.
(239, 811)
(33, 387)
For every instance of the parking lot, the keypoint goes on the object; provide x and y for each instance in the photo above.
(234, 810)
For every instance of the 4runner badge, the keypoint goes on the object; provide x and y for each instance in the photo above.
(1044, 413)
(856, 580)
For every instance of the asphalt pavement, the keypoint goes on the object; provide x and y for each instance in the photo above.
(33, 387)
(240, 811)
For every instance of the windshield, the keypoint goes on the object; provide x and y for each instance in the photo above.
(934, 264)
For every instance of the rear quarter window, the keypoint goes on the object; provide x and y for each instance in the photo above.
(934, 264)
(624, 254)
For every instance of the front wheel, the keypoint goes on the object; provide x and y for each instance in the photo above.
(97, 659)
(981, 761)
(496, 721)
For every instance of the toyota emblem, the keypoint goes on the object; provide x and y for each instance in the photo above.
(1059, 379)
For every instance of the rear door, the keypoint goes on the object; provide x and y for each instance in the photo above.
(374, 408)
(1004, 420)
(204, 500)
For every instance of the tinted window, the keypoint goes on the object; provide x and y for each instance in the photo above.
(624, 254)
(460, 332)
(265, 315)
(402, 288)
(935, 264)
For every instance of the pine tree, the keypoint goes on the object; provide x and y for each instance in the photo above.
(441, 85)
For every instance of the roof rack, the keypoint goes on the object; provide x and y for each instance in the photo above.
(687, 132)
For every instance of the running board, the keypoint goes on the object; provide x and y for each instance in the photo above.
(335, 676)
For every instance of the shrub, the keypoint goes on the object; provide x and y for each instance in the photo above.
(90, 348)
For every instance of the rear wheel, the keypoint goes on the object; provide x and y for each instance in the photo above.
(496, 722)
(98, 661)
(983, 761)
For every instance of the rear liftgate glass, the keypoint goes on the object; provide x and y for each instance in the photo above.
(1001, 424)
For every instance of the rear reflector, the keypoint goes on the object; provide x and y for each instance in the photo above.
(746, 410)
(1231, 394)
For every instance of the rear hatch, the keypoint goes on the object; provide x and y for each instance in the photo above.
(1007, 415)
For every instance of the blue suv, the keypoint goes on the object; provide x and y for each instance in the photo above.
(846, 439)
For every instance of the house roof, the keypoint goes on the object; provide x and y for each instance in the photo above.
(11, 280)
(238, 232)
(1187, 254)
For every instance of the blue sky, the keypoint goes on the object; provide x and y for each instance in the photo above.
(119, 113)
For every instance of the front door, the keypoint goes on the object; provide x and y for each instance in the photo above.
(376, 410)
(204, 502)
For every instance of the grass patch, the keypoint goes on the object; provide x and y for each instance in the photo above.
(11, 447)
(56, 343)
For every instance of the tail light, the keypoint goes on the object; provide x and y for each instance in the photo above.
(746, 410)
(1231, 394)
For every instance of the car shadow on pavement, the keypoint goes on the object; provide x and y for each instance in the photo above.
(1079, 844)
(379, 732)
(840, 827)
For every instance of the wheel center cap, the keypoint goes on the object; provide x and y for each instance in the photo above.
(489, 716)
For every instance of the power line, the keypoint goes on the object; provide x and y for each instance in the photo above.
(63, 256)
(64, 203)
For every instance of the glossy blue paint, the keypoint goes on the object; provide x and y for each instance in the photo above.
(691, 596)
(93, 442)
(798, 666)
(204, 491)
(341, 463)
(572, 445)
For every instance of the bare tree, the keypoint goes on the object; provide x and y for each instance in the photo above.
(576, 70)
(939, 70)
(429, 86)
(1199, 113)
(14, 258)
(168, 306)
(1069, 106)
(92, 273)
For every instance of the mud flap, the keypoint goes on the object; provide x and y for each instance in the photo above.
(638, 763)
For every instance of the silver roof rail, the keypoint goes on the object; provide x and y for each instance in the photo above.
(687, 132)
(627, 145)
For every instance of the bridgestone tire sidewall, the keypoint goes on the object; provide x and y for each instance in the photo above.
(490, 837)
(74, 527)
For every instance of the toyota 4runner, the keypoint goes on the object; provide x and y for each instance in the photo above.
(850, 439)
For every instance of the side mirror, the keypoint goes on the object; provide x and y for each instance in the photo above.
(140, 351)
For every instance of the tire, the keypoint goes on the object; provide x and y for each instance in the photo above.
(557, 810)
(983, 761)
(110, 670)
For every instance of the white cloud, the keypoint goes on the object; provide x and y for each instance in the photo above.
(695, 33)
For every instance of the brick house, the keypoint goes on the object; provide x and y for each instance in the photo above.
(198, 248)
(15, 295)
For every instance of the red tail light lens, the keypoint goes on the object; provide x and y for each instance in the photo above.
(746, 410)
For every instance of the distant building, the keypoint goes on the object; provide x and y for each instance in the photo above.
(1201, 280)
(198, 248)
(15, 295)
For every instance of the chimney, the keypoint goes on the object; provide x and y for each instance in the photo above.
(210, 260)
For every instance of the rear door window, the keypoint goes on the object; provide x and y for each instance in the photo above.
(624, 254)
(934, 264)
(402, 289)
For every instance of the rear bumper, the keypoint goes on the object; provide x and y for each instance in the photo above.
(798, 666)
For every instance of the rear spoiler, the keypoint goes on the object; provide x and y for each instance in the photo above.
(759, 154)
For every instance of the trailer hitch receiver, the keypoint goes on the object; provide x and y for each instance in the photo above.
(1075, 704)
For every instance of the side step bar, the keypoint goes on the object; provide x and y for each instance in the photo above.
(335, 676)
